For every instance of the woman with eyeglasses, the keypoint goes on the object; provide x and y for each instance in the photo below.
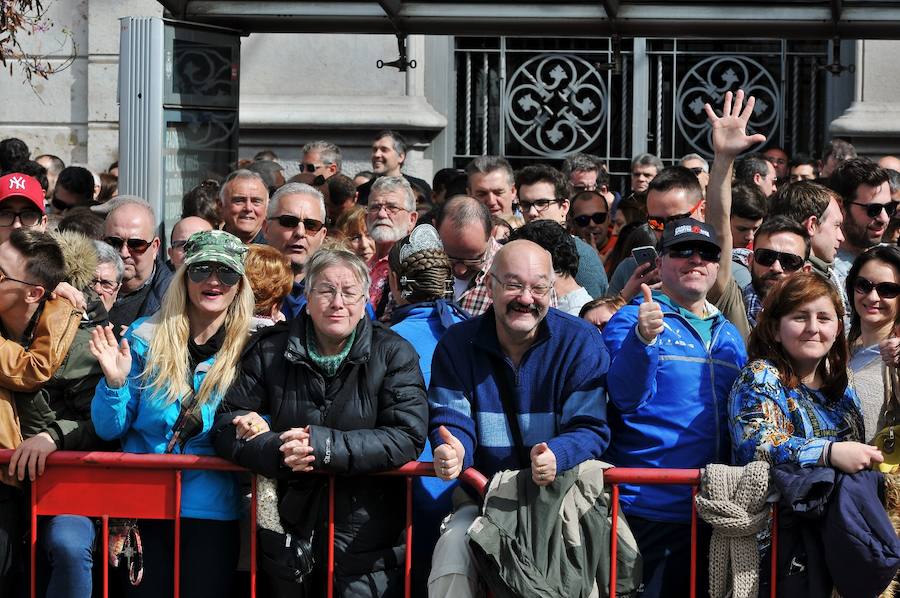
(346, 397)
(162, 386)
(793, 401)
(873, 288)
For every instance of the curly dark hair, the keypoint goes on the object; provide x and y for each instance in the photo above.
(553, 237)
(541, 173)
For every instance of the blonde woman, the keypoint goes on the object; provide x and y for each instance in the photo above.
(161, 389)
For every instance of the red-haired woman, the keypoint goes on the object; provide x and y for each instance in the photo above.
(793, 401)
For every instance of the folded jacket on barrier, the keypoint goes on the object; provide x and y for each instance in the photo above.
(552, 541)
(833, 530)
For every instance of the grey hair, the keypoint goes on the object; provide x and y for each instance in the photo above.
(241, 173)
(326, 258)
(107, 255)
(647, 160)
(687, 157)
(893, 180)
(295, 189)
(486, 164)
(581, 163)
(328, 152)
(394, 183)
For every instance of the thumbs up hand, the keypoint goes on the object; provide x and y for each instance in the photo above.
(448, 457)
(543, 464)
(650, 316)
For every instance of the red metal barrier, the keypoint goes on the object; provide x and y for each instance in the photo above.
(669, 477)
(127, 485)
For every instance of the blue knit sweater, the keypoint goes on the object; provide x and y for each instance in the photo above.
(559, 388)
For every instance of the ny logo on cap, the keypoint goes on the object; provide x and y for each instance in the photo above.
(17, 182)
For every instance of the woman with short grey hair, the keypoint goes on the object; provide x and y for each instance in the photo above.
(345, 396)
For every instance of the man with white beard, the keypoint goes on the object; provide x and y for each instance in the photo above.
(390, 216)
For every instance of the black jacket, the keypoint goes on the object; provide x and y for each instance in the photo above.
(370, 417)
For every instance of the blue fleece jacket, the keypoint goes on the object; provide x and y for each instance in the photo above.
(668, 402)
(559, 392)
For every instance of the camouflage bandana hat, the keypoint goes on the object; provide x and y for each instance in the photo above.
(215, 246)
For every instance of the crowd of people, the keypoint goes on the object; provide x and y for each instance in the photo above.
(718, 312)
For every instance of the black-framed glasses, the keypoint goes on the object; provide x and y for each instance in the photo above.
(707, 253)
(137, 246)
(585, 219)
(25, 217)
(885, 290)
(374, 208)
(873, 210)
(291, 221)
(791, 262)
(305, 167)
(540, 205)
(108, 286)
(4, 276)
(583, 188)
(200, 272)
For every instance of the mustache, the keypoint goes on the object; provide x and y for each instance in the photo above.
(532, 308)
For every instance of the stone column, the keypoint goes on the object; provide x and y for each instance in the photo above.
(872, 123)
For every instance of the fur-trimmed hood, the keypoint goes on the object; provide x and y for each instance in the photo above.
(80, 257)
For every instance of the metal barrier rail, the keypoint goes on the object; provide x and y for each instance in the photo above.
(129, 485)
(141, 486)
(671, 477)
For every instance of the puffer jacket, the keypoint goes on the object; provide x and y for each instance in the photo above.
(143, 421)
(668, 402)
(370, 417)
(25, 370)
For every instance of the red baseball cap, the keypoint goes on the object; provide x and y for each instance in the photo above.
(17, 184)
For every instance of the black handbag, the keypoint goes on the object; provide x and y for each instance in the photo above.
(284, 556)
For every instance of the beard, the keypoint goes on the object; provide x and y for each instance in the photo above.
(385, 231)
(858, 235)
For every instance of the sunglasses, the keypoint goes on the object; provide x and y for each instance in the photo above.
(310, 167)
(697, 170)
(137, 246)
(60, 205)
(873, 210)
(707, 253)
(585, 219)
(658, 223)
(200, 272)
(289, 221)
(885, 290)
(789, 261)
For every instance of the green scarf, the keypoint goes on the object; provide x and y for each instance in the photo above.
(329, 364)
